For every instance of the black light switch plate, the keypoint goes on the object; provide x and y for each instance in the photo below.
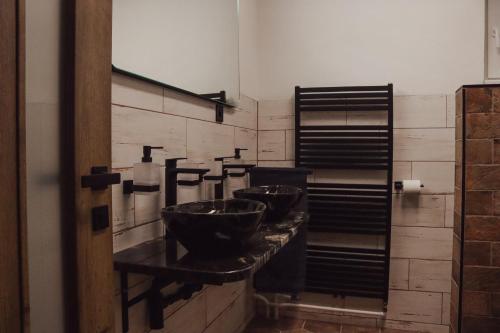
(100, 218)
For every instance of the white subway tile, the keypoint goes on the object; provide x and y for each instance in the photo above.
(446, 309)
(413, 326)
(132, 237)
(206, 140)
(437, 177)
(420, 307)
(231, 319)
(399, 274)
(323, 118)
(271, 145)
(277, 164)
(186, 106)
(123, 204)
(137, 94)
(191, 318)
(418, 210)
(424, 144)
(220, 297)
(367, 118)
(133, 128)
(246, 138)
(147, 207)
(240, 118)
(290, 145)
(421, 243)
(276, 115)
(450, 110)
(430, 275)
(350, 176)
(423, 111)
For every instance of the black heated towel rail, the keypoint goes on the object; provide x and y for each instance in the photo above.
(346, 271)
(363, 209)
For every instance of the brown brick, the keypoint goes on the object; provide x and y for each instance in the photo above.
(479, 203)
(454, 294)
(495, 254)
(477, 253)
(454, 320)
(480, 325)
(459, 152)
(495, 304)
(478, 100)
(458, 176)
(458, 201)
(457, 248)
(476, 303)
(455, 270)
(478, 151)
(482, 228)
(483, 177)
(481, 278)
(479, 126)
(457, 225)
(495, 99)
(496, 151)
(459, 127)
(496, 203)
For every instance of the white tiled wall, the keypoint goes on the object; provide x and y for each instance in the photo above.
(144, 114)
(421, 234)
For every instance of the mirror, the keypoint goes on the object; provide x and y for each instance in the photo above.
(189, 44)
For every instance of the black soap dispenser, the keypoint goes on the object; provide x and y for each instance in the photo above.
(147, 173)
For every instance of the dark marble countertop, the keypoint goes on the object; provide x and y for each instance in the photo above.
(152, 258)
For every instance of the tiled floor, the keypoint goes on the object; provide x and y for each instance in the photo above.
(292, 325)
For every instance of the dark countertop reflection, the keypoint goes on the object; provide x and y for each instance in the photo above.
(152, 258)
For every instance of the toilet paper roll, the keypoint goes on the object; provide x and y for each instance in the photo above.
(411, 186)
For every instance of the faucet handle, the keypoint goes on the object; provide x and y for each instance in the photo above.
(237, 152)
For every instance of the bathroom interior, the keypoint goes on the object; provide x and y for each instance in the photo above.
(250, 166)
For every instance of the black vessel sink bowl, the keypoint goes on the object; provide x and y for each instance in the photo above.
(279, 199)
(217, 227)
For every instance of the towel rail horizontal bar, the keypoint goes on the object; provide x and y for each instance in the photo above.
(337, 108)
(344, 88)
(345, 128)
(346, 185)
(304, 134)
(307, 96)
(356, 192)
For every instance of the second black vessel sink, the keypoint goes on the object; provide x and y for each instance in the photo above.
(279, 199)
(216, 227)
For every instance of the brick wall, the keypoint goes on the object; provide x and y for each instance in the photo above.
(477, 232)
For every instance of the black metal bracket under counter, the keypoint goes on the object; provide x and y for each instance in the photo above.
(168, 262)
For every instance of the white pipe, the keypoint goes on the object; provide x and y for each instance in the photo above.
(266, 302)
(316, 307)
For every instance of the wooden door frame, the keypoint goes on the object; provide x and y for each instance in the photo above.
(14, 296)
(87, 103)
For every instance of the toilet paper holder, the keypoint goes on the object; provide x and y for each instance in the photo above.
(398, 185)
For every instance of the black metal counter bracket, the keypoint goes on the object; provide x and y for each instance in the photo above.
(157, 302)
